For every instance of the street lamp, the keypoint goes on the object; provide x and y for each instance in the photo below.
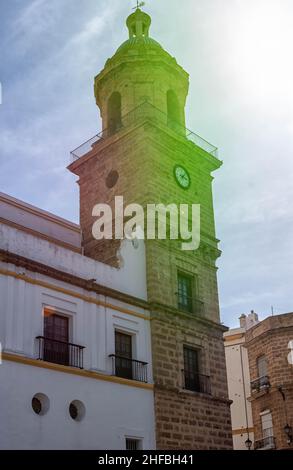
(248, 443)
(289, 434)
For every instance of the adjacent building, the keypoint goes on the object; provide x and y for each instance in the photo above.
(260, 378)
(76, 368)
(271, 376)
(239, 382)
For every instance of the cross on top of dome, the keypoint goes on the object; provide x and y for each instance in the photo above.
(138, 5)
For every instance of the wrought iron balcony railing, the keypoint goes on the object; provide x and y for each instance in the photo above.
(266, 443)
(196, 382)
(260, 384)
(129, 368)
(190, 304)
(58, 352)
(145, 112)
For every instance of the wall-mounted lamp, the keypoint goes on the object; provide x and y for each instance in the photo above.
(248, 443)
(289, 433)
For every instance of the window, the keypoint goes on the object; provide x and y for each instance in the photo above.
(114, 113)
(56, 327)
(267, 424)
(185, 292)
(262, 366)
(262, 381)
(133, 444)
(54, 345)
(193, 379)
(191, 369)
(56, 338)
(268, 441)
(123, 353)
(123, 363)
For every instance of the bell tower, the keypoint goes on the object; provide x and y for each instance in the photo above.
(145, 154)
(140, 71)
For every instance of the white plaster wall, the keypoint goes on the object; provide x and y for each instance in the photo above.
(93, 326)
(113, 411)
(236, 391)
(130, 278)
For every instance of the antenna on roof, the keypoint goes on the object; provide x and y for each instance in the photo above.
(272, 309)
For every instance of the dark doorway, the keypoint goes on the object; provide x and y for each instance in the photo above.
(56, 337)
(123, 352)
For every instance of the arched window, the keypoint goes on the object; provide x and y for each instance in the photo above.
(173, 109)
(114, 112)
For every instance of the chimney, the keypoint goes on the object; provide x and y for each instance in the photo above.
(248, 321)
(252, 319)
(242, 320)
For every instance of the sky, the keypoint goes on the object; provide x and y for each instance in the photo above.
(239, 57)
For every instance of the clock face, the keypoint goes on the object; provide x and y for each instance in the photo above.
(182, 176)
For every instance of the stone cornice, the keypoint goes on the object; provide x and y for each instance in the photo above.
(191, 394)
(164, 59)
(209, 160)
(275, 331)
(156, 307)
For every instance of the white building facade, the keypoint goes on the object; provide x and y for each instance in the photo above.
(76, 369)
(239, 382)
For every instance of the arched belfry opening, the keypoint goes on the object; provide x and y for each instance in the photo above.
(174, 111)
(114, 112)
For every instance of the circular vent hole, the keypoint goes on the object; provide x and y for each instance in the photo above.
(77, 410)
(40, 404)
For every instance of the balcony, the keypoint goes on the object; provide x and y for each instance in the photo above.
(129, 368)
(58, 352)
(266, 443)
(190, 304)
(145, 112)
(196, 382)
(262, 384)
